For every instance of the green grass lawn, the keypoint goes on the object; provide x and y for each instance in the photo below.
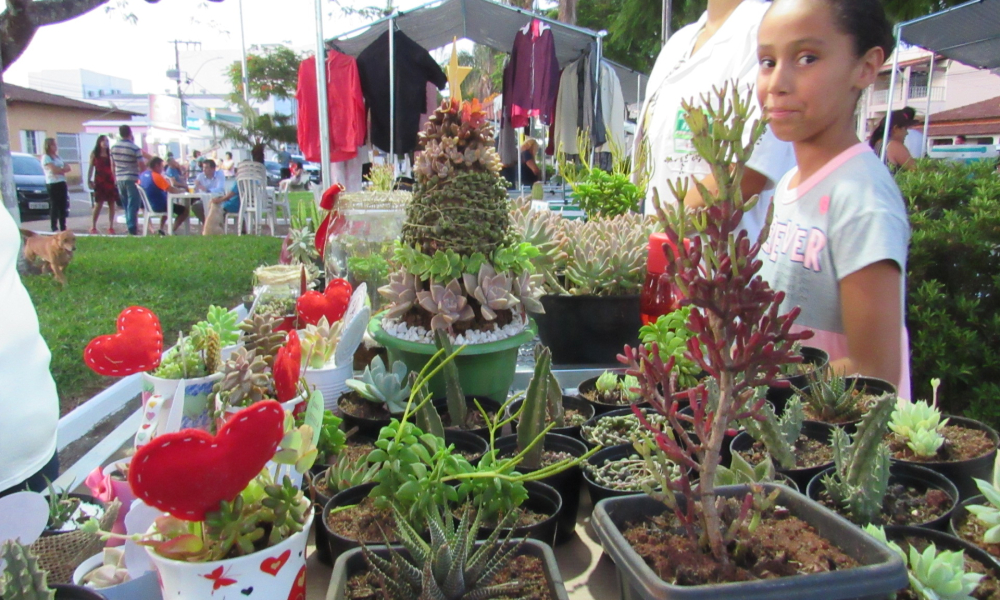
(175, 277)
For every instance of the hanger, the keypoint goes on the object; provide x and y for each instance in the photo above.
(535, 27)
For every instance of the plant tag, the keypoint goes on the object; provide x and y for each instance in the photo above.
(351, 336)
(359, 299)
(26, 515)
(139, 519)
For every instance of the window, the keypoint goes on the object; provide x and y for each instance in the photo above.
(69, 146)
(32, 142)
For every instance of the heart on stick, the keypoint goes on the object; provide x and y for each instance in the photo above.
(332, 304)
(188, 473)
(137, 347)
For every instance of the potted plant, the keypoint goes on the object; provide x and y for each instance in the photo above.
(610, 391)
(376, 396)
(620, 426)
(840, 400)
(566, 413)
(107, 572)
(622, 470)
(23, 579)
(961, 449)
(741, 342)
(460, 269)
(232, 525)
(977, 519)
(795, 376)
(64, 543)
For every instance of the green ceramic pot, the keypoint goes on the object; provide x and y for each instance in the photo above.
(484, 369)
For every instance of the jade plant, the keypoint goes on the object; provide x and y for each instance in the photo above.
(461, 266)
(451, 565)
(860, 478)
(389, 387)
(934, 575)
(919, 424)
(22, 578)
(670, 334)
(741, 340)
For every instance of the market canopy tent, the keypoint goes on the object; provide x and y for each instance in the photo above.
(968, 33)
(436, 24)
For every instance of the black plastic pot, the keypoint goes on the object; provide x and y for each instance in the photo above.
(614, 413)
(566, 482)
(366, 427)
(871, 385)
(578, 404)
(881, 572)
(84, 499)
(813, 430)
(780, 395)
(944, 541)
(962, 472)
(542, 499)
(958, 517)
(597, 491)
(353, 561)
(909, 475)
(588, 330)
(65, 591)
(589, 385)
(488, 404)
(337, 543)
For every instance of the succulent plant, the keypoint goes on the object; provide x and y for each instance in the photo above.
(302, 246)
(861, 465)
(544, 230)
(934, 575)
(919, 424)
(670, 333)
(451, 566)
(778, 434)
(346, 474)
(528, 288)
(459, 199)
(319, 341)
(223, 321)
(245, 379)
(607, 382)
(259, 336)
(447, 304)
(491, 290)
(627, 385)
(988, 514)
(22, 578)
(377, 384)
(607, 256)
(401, 292)
(830, 398)
(111, 572)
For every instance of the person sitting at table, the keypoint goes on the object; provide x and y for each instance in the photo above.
(157, 187)
(210, 180)
(230, 201)
(299, 177)
(175, 172)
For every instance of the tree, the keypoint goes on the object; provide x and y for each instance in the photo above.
(258, 130)
(271, 71)
(486, 77)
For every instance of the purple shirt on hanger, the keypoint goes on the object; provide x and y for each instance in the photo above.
(532, 85)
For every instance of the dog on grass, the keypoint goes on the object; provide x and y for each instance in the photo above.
(214, 220)
(52, 252)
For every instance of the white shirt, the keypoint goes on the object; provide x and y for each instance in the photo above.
(29, 406)
(914, 142)
(678, 75)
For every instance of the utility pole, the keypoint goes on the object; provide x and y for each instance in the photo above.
(176, 73)
(666, 15)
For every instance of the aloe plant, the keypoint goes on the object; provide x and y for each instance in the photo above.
(379, 385)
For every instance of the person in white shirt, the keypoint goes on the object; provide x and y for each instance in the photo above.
(211, 181)
(720, 48)
(28, 400)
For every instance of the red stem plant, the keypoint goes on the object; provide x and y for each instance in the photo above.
(740, 339)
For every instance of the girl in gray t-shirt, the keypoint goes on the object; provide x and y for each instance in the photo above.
(838, 239)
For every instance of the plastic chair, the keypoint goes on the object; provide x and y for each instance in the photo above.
(280, 200)
(253, 200)
(148, 213)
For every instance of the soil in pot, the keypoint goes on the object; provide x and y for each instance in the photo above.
(975, 562)
(923, 498)
(363, 522)
(527, 571)
(966, 526)
(812, 452)
(781, 546)
(618, 427)
(606, 401)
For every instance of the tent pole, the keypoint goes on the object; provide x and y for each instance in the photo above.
(324, 115)
(892, 92)
(392, 92)
(925, 142)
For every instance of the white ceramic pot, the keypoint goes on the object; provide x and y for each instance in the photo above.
(332, 382)
(144, 587)
(276, 573)
(195, 412)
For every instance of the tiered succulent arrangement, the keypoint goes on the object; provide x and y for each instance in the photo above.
(462, 269)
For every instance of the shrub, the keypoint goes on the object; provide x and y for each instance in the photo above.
(953, 284)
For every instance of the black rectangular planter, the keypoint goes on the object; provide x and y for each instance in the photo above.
(882, 572)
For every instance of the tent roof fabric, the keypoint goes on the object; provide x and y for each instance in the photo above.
(437, 23)
(968, 33)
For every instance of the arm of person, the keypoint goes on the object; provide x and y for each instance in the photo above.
(899, 155)
(90, 173)
(870, 306)
(531, 164)
(199, 184)
(753, 183)
(221, 199)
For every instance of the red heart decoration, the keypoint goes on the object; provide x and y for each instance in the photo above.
(287, 365)
(188, 473)
(332, 304)
(299, 588)
(138, 345)
(271, 566)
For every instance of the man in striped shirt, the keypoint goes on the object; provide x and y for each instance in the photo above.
(129, 161)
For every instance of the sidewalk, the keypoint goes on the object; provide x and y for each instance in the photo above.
(79, 220)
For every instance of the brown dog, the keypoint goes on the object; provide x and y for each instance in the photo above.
(52, 251)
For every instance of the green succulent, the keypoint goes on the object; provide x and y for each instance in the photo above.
(377, 384)
(670, 333)
(918, 423)
(934, 575)
(988, 514)
(319, 342)
(627, 384)
(778, 434)
(741, 472)
(221, 320)
(607, 382)
(603, 194)
(22, 578)
(607, 257)
(302, 246)
(831, 398)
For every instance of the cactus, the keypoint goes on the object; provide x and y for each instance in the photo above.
(447, 304)
(544, 395)
(259, 336)
(537, 191)
(778, 435)
(450, 566)
(861, 474)
(457, 408)
(379, 385)
(934, 575)
(491, 290)
(22, 578)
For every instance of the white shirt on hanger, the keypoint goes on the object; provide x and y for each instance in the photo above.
(679, 75)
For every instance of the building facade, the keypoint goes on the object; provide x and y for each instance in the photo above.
(79, 84)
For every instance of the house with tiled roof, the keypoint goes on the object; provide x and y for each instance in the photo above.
(979, 122)
(33, 115)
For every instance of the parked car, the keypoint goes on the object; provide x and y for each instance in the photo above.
(273, 172)
(314, 170)
(29, 180)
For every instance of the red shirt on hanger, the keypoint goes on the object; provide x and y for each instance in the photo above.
(345, 104)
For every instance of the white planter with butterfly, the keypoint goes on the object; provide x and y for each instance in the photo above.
(328, 349)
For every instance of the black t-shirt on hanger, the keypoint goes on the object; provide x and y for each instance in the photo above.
(414, 68)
